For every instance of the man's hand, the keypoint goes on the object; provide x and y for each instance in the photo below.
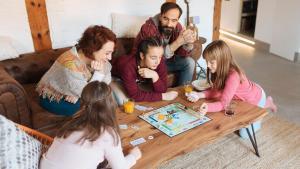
(189, 36)
(71, 99)
(98, 65)
(185, 37)
(148, 73)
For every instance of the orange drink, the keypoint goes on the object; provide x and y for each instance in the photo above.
(188, 88)
(129, 106)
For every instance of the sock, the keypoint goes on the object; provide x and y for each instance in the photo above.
(270, 104)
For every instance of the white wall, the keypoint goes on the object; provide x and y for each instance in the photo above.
(231, 15)
(69, 18)
(278, 24)
(14, 24)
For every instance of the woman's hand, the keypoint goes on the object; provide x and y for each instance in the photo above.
(195, 96)
(71, 99)
(171, 95)
(148, 73)
(136, 152)
(98, 65)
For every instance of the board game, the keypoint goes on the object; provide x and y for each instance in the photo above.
(174, 119)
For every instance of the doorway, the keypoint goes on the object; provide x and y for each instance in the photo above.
(248, 17)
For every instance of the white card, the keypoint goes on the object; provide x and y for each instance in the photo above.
(137, 141)
(142, 108)
(123, 126)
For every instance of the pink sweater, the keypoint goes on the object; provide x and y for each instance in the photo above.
(66, 154)
(246, 91)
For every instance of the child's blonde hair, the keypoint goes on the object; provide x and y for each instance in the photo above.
(218, 50)
(96, 115)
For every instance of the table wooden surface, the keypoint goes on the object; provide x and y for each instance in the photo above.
(163, 148)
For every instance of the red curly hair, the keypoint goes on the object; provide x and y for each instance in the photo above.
(93, 38)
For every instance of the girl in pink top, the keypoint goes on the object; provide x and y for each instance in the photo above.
(228, 82)
(90, 136)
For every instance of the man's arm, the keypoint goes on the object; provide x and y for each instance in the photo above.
(147, 30)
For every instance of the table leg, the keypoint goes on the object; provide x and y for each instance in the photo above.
(254, 143)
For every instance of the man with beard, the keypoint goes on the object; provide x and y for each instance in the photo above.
(177, 42)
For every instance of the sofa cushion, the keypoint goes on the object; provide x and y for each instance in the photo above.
(17, 149)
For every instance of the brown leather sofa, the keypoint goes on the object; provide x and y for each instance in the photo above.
(18, 78)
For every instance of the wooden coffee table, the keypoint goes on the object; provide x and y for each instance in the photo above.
(163, 148)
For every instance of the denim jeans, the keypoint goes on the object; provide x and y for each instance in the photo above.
(184, 68)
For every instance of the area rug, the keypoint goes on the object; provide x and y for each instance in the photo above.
(278, 144)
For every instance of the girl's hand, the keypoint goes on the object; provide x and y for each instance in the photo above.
(171, 95)
(136, 152)
(71, 99)
(98, 65)
(195, 96)
(148, 73)
(203, 109)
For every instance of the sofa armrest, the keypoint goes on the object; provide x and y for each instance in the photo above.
(30, 67)
(14, 102)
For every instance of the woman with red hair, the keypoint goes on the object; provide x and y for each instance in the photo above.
(60, 88)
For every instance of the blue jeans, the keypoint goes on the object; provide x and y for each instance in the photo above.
(256, 125)
(60, 108)
(183, 66)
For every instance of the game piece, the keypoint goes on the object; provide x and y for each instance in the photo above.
(123, 126)
(161, 117)
(150, 137)
(170, 121)
(177, 119)
(137, 141)
(135, 127)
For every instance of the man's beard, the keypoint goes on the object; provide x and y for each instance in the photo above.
(165, 30)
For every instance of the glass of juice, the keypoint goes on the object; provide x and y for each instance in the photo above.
(128, 106)
(187, 87)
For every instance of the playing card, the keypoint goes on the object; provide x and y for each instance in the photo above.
(137, 141)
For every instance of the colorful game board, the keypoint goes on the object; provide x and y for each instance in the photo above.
(174, 119)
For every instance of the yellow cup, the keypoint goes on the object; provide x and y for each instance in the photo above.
(129, 106)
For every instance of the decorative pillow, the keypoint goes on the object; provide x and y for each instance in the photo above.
(127, 26)
(17, 149)
(7, 51)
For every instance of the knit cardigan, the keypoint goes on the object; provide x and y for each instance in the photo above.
(68, 76)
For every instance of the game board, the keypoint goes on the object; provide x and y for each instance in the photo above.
(174, 119)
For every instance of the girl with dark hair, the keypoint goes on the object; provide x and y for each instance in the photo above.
(60, 88)
(90, 135)
(228, 82)
(146, 66)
